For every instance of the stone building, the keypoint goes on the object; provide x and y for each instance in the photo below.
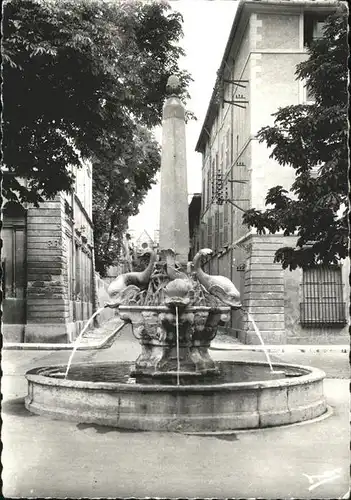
(47, 261)
(257, 76)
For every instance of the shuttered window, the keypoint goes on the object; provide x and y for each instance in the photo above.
(216, 231)
(225, 224)
(221, 229)
(209, 233)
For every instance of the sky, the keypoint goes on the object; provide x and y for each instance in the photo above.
(206, 27)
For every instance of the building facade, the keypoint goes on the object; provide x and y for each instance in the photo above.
(256, 77)
(47, 261)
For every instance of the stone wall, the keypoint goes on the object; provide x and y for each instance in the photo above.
(59, 270)
(47, 306)
(264, 292)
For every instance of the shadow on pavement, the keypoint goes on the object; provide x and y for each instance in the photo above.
(104, 429)
(16, 407)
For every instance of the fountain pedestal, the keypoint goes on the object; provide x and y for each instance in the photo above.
(156, 329)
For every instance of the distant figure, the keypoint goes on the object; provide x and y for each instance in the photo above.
(128, 252)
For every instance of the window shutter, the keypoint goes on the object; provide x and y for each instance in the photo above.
(225, 224)
(209, 233)
(216, 231)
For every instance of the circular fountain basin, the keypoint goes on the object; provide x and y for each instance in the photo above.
(244, 396)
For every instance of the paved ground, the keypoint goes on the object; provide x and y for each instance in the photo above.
(47, 458)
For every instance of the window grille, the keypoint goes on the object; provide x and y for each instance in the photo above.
(322, 292)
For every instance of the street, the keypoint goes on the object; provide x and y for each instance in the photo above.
(43, 457)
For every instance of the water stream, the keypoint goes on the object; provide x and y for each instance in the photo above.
(258, 333)
(76, 342)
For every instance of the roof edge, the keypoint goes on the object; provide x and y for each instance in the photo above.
(225, 54)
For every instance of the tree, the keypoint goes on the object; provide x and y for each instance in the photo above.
(119, 186)
(312, 138)
(84, 79)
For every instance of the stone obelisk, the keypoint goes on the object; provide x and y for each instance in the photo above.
(174, 220)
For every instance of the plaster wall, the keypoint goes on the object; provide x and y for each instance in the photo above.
(277, 31)
(271, 93)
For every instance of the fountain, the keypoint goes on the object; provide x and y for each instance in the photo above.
(175, 309)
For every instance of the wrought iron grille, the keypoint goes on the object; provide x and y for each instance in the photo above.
(322, 292)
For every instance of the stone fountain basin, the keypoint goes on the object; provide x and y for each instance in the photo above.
(105, 395)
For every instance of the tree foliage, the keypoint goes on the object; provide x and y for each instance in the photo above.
(312, 138)
(119, 186)
(86, 79)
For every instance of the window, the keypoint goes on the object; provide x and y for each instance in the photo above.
(213, 181)
(221, 165)
(208, 192)
(203, 238)
(322, 293)
(309, 95)
(221, 230)
(312, 28)
(314, 172)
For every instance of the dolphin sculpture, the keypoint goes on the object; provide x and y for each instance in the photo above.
(128, 283)
(172, 272)
(219, 286)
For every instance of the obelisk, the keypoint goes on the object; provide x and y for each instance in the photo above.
(174, 220)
